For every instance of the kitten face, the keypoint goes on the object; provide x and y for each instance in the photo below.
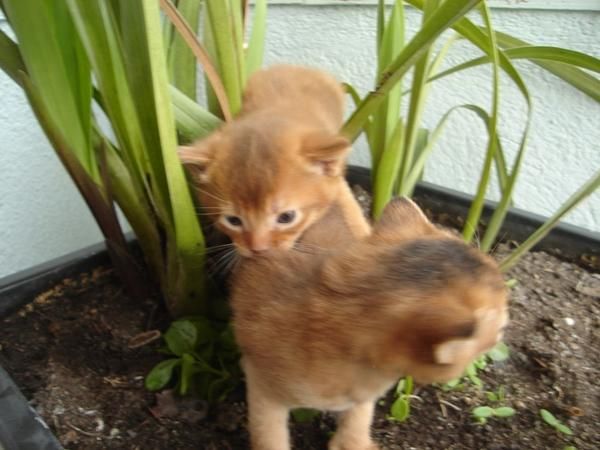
(264, 180)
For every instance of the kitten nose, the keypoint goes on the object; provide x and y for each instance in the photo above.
(258, 244)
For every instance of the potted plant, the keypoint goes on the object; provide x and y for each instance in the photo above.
(141, 73)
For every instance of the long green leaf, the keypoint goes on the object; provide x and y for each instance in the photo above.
(476, 208)
(419, 164)
(443, 18)
(193, 121)
(10, 58)
(351, 90)
(212, 102)
(386, 175)
(534, 53)
(97, 28)
(181, 60)
(501, 210)
(584, 191)
(95, 198)
(476, 36)
(132, 48)
(380, 23)
(236, 10)
(224, 36)
(48, 46)
(385, 118)
(256, 43)
(216, 87)
(187, 288)
(133, 203)
(577, 78)
(90, 191)
(416, 105)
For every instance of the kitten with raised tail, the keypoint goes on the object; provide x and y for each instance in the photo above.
(273, 171)
(335, 331)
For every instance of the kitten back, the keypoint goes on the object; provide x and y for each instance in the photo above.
(309, 94)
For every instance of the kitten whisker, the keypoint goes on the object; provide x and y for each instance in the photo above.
(217, 248)
(232, 263)
(205, 192)
(230, 244)
(216, 208)
(222, 262)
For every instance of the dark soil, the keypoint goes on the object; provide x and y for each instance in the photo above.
(70, 353)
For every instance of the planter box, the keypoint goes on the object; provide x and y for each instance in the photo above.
(21, 428)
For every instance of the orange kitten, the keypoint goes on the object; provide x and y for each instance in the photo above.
(265, 177)
(335, 331)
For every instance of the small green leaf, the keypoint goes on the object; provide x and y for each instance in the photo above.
(511, 283)
(408, 389)
(181, 337)
(451, 384)
(483, 412)
(504, 411)
(501, 393)
(400, 386)
(480, 363)
(500, 352)
(187, 372)
(471, 370)
(400, 409)
(549, 417)
(161, 374)
(564, 429)
(491, 396)
(303, 415)
(476, 380)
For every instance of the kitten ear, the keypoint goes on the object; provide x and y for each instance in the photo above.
(196, 159)
(453, 351)
(326, 153)
(442, 333)
(402, 215)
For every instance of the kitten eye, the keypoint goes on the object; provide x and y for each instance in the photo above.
(286, 217)
(234, 221)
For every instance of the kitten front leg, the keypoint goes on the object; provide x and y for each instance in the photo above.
(354, 429)
(267, 419)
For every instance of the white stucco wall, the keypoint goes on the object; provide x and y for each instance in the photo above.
(42, 215)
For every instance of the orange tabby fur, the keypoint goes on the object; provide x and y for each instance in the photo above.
(283, 154)
(335, 330)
